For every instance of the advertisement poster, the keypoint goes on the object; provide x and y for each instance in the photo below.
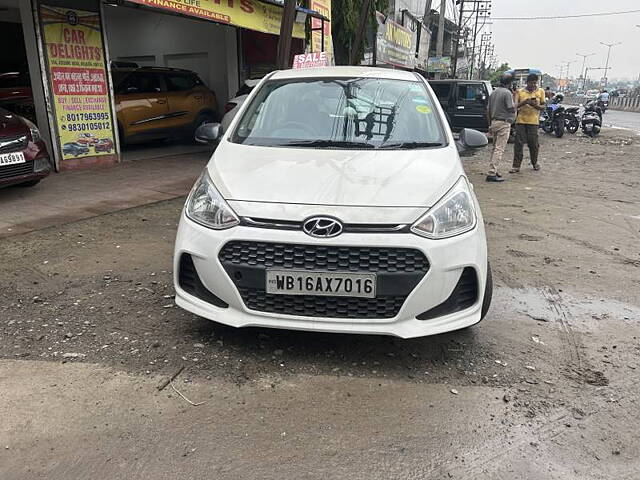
(394, 43)
(439, 64)
(251, 14)
(323, 7)
(73, 41)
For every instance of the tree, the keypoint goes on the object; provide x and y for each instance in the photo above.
(494, 78)
(345, 18)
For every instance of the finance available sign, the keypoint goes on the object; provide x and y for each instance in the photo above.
(78, 77)
(251, 14)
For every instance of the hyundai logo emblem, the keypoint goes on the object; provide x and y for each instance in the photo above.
(322, 227)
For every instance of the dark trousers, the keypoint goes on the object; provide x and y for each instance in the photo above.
(526, 134)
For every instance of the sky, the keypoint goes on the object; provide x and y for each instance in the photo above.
(545, 44)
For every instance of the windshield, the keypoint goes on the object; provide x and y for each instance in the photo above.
(341, 113)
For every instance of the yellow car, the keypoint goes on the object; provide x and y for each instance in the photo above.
(156, 102)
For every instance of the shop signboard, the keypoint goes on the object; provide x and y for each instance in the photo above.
(439, 64)
(311, 60)
(251, 14)
(78, 79)
(394, 43)
(323, 7)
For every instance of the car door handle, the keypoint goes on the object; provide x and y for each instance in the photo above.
(460, 107)
(162, 101)
(198, 97)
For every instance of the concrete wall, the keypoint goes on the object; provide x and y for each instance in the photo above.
(151, 38)
(627, 104)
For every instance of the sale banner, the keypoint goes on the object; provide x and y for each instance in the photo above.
(79, 86)
(251, 14)
(311, 60)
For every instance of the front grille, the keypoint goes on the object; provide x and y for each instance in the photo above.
(324, 258)
(13, 144)
(15, 170)
(463, 296)
(398, 272)
(327, 307)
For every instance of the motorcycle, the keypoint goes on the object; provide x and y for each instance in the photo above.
(603, 104)
(572, 119)
(552, 119)
(591, 121)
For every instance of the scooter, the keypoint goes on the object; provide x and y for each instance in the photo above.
(552, 119)
(591, 121)
(572, 119)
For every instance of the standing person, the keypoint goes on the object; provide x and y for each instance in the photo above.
(530, 101)
(501, 113)
(548, 93)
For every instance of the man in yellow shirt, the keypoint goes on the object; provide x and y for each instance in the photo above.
(529, 102)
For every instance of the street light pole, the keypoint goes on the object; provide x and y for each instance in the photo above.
(584, 61)
(606, 67)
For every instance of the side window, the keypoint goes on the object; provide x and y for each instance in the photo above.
(181, 82)
(470, 92)
(442, 91)
(140, 83)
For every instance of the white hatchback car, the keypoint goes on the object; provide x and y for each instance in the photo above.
(336, 202)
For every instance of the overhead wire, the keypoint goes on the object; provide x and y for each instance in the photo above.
(558, 17)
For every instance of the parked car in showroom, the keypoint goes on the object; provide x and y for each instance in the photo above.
(336, 202)
(74, 148)
(233, 105)
(24, 159)
(16, 95)
(156, 102)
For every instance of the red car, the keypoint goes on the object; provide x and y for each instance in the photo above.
(103, 145)
(24, 158)
(15, 93)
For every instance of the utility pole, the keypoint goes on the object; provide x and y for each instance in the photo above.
(286, 30)
(440, 39)
(457, 42)
(567, 72)
(482, 10)
(606, 67)
(427, 13)
(584, 61)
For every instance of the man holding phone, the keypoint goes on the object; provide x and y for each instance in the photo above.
(529, 102)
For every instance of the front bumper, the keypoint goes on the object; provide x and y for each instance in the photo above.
(447, 260)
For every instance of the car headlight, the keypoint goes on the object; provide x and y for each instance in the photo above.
(35, 133)
(206, 206)
(452, 215)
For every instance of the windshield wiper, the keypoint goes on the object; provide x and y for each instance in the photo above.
(326, 144)
(409, 145)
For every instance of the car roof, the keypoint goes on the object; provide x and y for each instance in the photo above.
(344, 71)
(454, 80)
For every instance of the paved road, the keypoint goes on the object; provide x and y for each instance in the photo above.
(621, 119)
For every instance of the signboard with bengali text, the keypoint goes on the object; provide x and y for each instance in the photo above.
(78, 77)
(251, 14)
(439, 64)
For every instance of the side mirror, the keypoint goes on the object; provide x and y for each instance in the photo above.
(481, 98)
(470, 140)
(208, 133)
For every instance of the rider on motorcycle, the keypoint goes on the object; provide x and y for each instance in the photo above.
(603, 100)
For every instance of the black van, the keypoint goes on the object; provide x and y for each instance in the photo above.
(464, 102)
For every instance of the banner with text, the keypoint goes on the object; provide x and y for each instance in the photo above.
(394, 43)
(73, 42)
(319, 30)
(439, 64)
(251, 14)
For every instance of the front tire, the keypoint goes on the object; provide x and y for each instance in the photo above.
(558, 129)
(573, 126)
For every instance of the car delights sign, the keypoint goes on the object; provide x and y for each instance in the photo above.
(251, 14)
(78, 77)
(394, 43)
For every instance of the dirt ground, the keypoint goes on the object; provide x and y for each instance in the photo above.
(545, 388)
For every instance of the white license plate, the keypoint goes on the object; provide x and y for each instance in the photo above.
(11, 158)
(288, 282)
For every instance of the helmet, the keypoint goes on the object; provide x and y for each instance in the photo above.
(558, 98)
(506, 79)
